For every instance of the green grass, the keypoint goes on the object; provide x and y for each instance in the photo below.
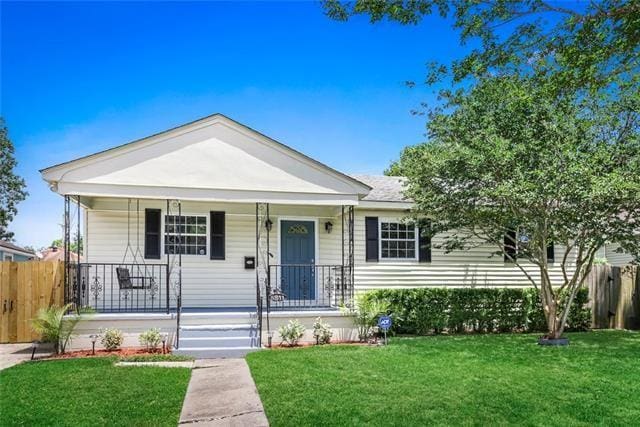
(455, 380)
(156, 358)
(90, 392)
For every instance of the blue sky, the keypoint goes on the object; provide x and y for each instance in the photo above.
(80, 77)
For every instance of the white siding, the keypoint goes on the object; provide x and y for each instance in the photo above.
(474, 267)
(206, 282)
(617, 258)
(225, 283)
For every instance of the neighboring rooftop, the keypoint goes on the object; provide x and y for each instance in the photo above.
(16, 248)
(57, 254)
(384, 188)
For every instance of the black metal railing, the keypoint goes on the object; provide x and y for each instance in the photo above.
(259, 316)
(126, 288)
(308, 286)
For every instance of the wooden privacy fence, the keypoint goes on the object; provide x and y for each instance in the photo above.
(614, 294)
(25, 287)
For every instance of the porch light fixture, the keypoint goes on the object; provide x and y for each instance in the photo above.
(94, 338)
(268, 224)
(165, 337)
(328, 226)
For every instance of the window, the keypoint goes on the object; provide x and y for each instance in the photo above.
(191, 229)
(397, 240)
(8, 257)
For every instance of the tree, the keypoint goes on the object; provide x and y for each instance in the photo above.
(12, 187)
(512, 165)
(75, 245)
(592, 46)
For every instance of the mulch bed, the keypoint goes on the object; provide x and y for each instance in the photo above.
(312, 344)
(123, 352)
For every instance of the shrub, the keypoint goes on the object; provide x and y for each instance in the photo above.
(322, 331)
(291, 332)
(52, 325)
(112, 338)
(366, 312)
(424, 311)
(151, 339)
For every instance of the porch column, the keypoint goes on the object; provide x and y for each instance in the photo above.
(262, 264)
(66, 245)
(347, 274)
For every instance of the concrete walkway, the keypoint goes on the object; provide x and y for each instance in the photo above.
(222, 393)
(12, 354)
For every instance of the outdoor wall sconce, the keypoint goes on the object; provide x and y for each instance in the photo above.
(94, 338)
(268, 224)
(165, 337)
(328, 226)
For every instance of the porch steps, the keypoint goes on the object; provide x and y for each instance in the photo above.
(218, 335)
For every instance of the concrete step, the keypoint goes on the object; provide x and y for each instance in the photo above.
(210, 331)
(243, 341)
(222, 318)
(215, 352)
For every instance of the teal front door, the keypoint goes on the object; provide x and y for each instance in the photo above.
(298, 254)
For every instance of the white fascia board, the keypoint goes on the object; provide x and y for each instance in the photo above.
(16, 252)
(371, 204)
(199, 194)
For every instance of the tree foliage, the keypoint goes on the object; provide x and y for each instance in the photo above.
(510, 158)
(12, 187)
(592, 46)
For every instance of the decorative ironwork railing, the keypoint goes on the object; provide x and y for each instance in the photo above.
(116, 288)
(308, 286)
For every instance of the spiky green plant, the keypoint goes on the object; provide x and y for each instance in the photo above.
(54, 327)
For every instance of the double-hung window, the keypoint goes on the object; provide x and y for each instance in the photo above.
(398, 241)
(191, 230)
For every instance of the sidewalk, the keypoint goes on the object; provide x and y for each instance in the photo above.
(12, 354)
(222, 393)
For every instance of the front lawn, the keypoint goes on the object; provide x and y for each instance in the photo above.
(88, 392)
(473, 379)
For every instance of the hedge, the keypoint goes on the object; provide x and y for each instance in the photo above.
(423, 311)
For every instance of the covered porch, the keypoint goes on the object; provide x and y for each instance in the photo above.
(171, 256)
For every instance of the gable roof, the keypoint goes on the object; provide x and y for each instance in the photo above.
(222, 155)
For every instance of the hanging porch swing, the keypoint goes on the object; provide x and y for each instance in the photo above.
(141, 279)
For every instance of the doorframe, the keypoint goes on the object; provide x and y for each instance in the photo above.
(316, 237)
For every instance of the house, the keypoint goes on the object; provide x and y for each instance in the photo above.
(58, 254)
(212, 230)
(614, 257)
(11, 252)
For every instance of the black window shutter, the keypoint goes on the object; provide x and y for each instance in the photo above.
(510, 249)
(217, 235)
(371, 235)
(551, 253)
(152, 233)
(424, 244)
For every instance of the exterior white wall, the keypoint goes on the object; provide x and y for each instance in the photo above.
(206, 282)
(226, 283)
(132, 325)
(474, 267)
(616, 258)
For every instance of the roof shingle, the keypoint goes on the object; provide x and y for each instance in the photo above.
(384, 188)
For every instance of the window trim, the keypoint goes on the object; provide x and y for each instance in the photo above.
(185, 214)
(416, 239)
